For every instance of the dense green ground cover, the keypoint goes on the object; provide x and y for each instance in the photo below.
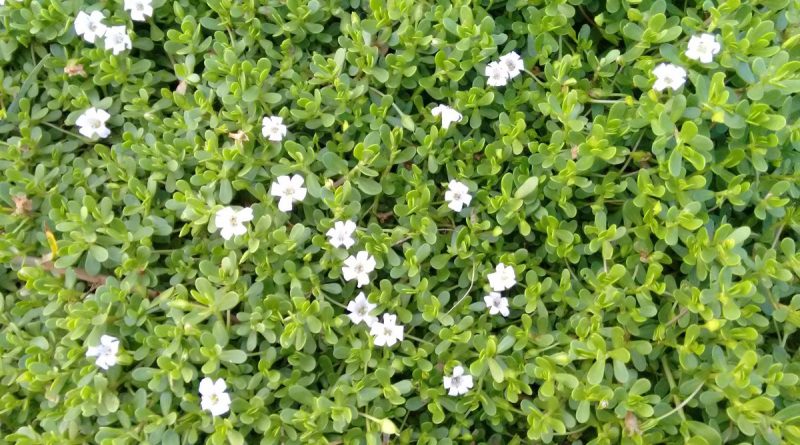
(342, 221)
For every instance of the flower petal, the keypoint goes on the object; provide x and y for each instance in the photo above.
(220, 386)
(245, 214)
(227, 232)
(285, 204)
(297, 181)
(206, 386)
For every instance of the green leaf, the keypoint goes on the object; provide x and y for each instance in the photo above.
(368, 186)
(675, 163)
(380, 74)
(407, 122)
(527, 187)
(301, 395)
(225, 191)
(170, 437)
(596, 371)
(788, 414)
(583, 412)
(235, 437)
(272, 98)
(233, 356)
(496, 371)
(710, 435)
(99, 253)
(226, 300)
(740, 235)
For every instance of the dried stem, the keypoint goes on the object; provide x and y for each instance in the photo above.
(680, 315)
(81, 274)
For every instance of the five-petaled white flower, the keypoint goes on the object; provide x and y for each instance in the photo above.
(273, 129)
(513, 64)
(140, 9)
(668, 76)
(341, 234)
(105, 352)
(386, 332)
(288, 190)
(214, 396)
(502, 278)
(90, 26)
(117, 39)
(497, 74)
(449, 115)
(496, 303)
(230, 222)
(457, 195)
(458, 383)
(360, 309)
(92, 123)
(703, 47)
(358, 267)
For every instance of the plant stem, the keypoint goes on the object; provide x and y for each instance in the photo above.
(680, 315)
(394, 105)
(471, 283)
(605, 101)
(671, 382)
(777, 236)
(635, 146)
(535, 78)
(45, 264)
(653, 422)
(421, 340)
(330, 300)
(55, 127)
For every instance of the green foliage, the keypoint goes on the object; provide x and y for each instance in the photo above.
(653, 235)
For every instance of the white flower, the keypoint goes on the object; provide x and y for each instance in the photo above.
(496, 303)
(106, 352)
(703, 48)
(449, 115)
(341, 234)
(140, 9)
(90, 26)
(92, 123)
(117, 39)
(513, 64)
(288, 190)
(497, 74)
(668, 76)
(214, 396)
(458, 383)
(502, 278)
(230, 222)
(457, 195)
(273, 129)
(387, 332)
(360, 308)
(358, 267)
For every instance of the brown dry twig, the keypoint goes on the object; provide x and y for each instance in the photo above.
(46, 264)
(81, 274)
(680, 315)
(632, 424)
(384, 216)
(22, 205)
